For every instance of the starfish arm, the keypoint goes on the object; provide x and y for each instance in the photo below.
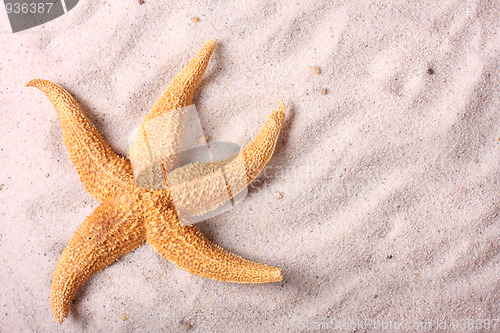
(162, 130)
(258, 152)
(255, 155)
(180, 91)
(191, 251)
(198, 188)
(112, 230)
(102, 171)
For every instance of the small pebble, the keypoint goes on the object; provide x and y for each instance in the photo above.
(185, 325)
(47, 175)
(278, 195)
(316, 70)
(430, 71)
(124, 316)
(324, 91)
(195, 19)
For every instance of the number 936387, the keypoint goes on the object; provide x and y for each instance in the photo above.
(25, 8)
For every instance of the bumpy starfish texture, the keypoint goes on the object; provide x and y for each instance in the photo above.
(129, 215)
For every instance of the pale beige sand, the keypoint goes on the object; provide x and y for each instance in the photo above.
(390, 181)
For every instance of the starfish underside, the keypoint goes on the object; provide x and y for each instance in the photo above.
(129, 215)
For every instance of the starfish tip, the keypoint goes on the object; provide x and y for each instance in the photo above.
(278, 275)
(32, 83)
(281, 107)
(210, 45)
(59, 315)
(279, 115)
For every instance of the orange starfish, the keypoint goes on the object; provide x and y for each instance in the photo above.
(130, 215)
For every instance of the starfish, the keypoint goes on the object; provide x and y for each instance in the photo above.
(130, 215)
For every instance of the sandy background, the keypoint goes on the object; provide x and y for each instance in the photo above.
(390, 179)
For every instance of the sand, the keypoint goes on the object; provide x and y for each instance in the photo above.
(381, 203)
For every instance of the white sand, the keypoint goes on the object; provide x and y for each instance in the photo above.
(390, 181)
